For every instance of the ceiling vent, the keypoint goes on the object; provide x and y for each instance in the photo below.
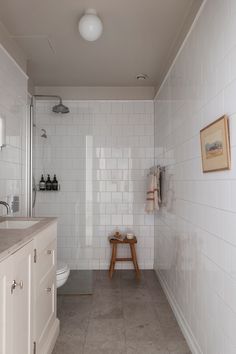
(142, 77)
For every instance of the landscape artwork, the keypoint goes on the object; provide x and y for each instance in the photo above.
(215, 146)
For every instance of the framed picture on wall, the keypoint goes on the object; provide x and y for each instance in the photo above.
(215, 146)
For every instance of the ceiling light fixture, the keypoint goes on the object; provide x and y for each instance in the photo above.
(90, 26)
(142, 77)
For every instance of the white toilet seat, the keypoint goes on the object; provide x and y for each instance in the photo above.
(63, 272)
(62, 267)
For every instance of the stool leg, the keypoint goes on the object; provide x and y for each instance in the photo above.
(113, 260)
(134, 259)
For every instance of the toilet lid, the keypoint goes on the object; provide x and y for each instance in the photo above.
(61, 267)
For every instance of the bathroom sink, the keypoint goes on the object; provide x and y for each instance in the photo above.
(17, 224)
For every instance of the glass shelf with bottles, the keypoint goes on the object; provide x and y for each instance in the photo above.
(48, 185)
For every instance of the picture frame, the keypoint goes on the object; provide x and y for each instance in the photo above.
(215, 146)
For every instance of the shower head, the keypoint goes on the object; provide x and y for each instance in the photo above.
(43, 131)
(60, 108)
(44, 134)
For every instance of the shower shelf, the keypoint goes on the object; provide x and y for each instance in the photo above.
(51, 190)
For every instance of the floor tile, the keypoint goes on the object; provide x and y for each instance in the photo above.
(136, 295)
(69, 345)
(109, 309)
(108, 347)
(102, 330)
(148, 332)
(138, 312)
(141, 347)
(175, 341)
(123, 316)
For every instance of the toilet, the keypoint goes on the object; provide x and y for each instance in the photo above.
(63, 272)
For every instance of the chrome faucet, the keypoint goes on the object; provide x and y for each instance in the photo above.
(6, 205)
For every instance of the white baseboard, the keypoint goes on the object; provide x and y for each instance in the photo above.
(52, 338)
(186, 330)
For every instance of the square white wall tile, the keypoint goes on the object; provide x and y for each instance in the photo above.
(13, 108)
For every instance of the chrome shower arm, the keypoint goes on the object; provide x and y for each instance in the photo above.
(59, 108)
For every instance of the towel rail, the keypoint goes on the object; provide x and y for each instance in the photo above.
(158, 171)
(154, 169)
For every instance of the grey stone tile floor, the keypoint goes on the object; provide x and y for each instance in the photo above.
(123, 316)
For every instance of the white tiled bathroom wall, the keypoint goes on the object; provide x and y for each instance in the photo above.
(100, 152)
(195, 233)
(13, 100)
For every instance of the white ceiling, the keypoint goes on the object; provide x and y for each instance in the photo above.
(140, 36)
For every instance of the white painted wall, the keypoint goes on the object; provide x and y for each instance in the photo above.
(13, 99)
(195, 233)
(100, 152)
(12, 47)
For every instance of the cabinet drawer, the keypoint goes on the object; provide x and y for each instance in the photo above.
(46, 308)
(46, 261)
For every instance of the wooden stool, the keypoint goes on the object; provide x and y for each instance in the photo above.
(133, 258)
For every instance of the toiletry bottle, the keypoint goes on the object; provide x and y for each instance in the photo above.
(55, 183)
(42, 184)
(48, 184)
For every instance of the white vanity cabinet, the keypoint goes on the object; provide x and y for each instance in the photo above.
(46, 325)
(15, 302)
(28, 322)
(5, 306)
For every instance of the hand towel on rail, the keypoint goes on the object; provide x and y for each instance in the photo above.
(153, 199)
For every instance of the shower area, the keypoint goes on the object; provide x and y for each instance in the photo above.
(61, 145)
(100, 152)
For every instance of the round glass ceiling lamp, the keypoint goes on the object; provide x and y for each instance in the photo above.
(90, 26)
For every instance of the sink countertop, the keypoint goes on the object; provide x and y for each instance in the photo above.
(13, 239)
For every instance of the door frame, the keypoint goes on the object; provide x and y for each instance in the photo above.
(29, 155)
